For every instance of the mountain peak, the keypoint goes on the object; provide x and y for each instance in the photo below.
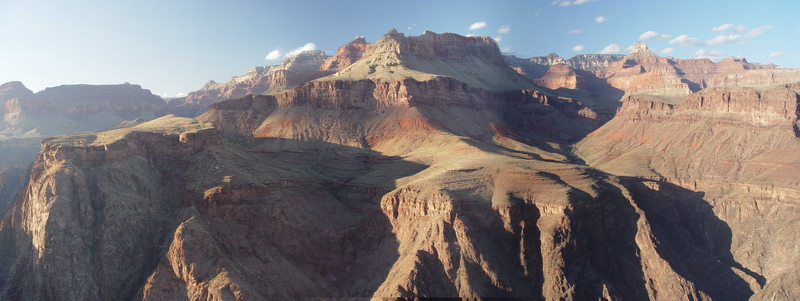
(474, 60)
(640, 49)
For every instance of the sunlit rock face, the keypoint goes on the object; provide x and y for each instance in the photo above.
(421, 167)
(301, 68)
(28, 117)
(735, 146)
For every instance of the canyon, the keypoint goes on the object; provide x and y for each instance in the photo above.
(427, 166)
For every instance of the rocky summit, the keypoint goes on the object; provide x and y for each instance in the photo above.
(426, 166)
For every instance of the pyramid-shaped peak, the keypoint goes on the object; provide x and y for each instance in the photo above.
(359, 40)
(640, 47)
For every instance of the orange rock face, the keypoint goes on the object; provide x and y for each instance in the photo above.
(562, 76)
(428, 168)
(643, 72)
(346, 55)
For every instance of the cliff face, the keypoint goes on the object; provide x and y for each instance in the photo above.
(11, 90)
(73, 108)
(304, 67)
(735, 145)
(562, 76)
(346, 55)
(427, 168)
(756, 78)
(61, 110)
(643, 72)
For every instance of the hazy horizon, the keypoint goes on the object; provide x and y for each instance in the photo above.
(174, 48)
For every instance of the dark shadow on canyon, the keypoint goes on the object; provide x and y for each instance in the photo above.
(601, 253)
(328, 173)
(691, 238)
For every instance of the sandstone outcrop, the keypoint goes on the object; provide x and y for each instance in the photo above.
(292, 71)
(29, 117)
(756, 78)
(346, 55)
(736, 147)
(428, 168)
(562, 76)
(643, 72)
(74, 108)
(11, 90)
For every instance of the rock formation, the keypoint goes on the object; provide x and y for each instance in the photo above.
(737, 148)
(643, 72)
(301, 68)
(756, 78)
(562, 76)
(346, 55)
(61, 110)
(427, 168)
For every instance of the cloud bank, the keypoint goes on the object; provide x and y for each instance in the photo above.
(477, 25)
(613, 48)
(652, 35)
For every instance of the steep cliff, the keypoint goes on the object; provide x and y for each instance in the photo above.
(292, 71)
(426, 169)
(643, 72)
(756, 78)
(346, 55)
(737, 147)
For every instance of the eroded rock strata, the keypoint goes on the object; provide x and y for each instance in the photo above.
(427, 167)
(737, 148)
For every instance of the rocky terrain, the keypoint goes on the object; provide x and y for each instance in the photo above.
(28, 117)
(425, 167)
(644, 72)
(305, 66)
(735, 146)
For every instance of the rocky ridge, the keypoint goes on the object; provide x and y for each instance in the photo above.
(258, 80)
(734, 145)
(406, 174)
(423, 167)
(643, 72)
(29, 117)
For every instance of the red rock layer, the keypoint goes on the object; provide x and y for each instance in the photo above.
(562, 76)
(643, 72)
(346, 55)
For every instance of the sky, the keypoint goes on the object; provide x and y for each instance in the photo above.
(174, 47)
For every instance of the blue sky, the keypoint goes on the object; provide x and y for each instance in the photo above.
(173, 47)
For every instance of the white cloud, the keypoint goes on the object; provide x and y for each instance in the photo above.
(757, 31)
(498, 38)
(577, 48)
(506, 50)
(667, 50)
(471, 35)
(777, 54)
(274, 55)
(180, 95)
(723, 39)
(613, 48)
(600, 19)
(575, 31)
(739, 28)
(685, 40)
(504, 29)
(711, 54)
(652, 35)
(477, 25)
(568, 3)
(296, 51)
(722, 27)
